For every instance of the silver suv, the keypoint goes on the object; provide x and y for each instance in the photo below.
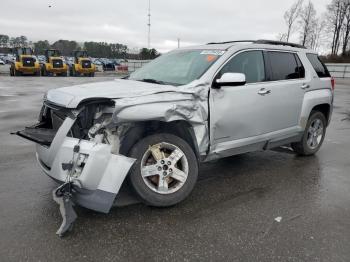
(186, 107)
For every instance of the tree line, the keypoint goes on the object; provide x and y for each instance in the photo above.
(330, 30)
(94, 49)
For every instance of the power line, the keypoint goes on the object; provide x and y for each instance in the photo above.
(149, 24)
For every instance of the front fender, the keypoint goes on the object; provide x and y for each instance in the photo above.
(167, 107)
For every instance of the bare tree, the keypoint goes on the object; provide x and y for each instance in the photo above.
(307, 23)
(336, 11)
(318, 30)
(281, 37)
(345, 30)
(290, 16)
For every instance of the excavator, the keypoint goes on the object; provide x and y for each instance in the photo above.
(54, 64)
(25, 63)
(82, 65)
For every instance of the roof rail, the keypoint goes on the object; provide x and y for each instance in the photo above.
(261, 41)
(229, 42)
(273, 42)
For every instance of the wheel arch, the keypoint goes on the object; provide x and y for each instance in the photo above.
(138, 130)
(320, 100)
(325, 109)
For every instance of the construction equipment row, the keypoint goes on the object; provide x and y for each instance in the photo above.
(54, 65)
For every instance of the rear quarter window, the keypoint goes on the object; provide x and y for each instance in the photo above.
(318, 65)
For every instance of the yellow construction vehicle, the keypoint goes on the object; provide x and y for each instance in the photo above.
(25, 63)
(82, 65)
(54, 64)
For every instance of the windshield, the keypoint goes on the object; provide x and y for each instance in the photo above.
(178, 67)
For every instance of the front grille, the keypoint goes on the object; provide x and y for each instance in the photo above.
(86, 64)
(57, 63)
(28, 61)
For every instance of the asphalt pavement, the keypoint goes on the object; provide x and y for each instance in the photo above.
(262, 206)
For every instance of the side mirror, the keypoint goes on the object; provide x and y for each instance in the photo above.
(231, 79)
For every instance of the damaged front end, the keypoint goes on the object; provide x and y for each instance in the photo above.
(80, 149)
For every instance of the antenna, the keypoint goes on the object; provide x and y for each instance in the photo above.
(149, 24)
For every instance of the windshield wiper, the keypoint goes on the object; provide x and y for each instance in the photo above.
(153, 81)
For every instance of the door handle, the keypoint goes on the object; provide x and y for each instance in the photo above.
(305, 86)
(264, 91)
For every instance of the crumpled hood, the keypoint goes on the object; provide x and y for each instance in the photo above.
(71, 96)
(139, 101)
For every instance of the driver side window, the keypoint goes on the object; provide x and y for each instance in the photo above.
(250, 63)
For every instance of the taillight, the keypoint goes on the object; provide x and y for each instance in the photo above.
(333, 83)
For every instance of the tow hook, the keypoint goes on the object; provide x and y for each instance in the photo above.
(62, 196)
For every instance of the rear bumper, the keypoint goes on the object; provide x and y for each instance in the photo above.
(57, 70)
(85, 70)
(28, 69)
(98, 174)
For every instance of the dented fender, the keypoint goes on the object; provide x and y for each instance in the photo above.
(189, 104)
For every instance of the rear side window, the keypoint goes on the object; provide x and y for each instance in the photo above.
(284, 66)
(317, 64)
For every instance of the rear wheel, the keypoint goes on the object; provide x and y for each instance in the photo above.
(43, 71)
(17, 73)
(313, 135)
(71, 71)
(165, 171)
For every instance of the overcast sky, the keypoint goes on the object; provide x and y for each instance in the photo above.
(193, 21)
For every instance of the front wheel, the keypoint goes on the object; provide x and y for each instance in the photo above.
(165, 171)
(313, 136)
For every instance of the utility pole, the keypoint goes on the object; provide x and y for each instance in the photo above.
(149, 24)
(178, 42)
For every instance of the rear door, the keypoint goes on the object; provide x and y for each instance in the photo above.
(287, 85)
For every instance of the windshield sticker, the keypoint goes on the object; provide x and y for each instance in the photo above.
(211, 58)
(212, 52)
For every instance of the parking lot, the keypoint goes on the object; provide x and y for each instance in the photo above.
(230, 216)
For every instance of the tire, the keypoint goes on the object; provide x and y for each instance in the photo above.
(43, 71)
(149, 187)
(64, 74)
(37, 73)
(92, 74)
(17, 73)
(313, 136)
(71, 71)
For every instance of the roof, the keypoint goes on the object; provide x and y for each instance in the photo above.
(252, 43)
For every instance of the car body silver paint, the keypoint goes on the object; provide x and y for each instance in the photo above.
(233, 127)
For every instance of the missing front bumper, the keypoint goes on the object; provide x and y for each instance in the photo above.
(98, 177)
